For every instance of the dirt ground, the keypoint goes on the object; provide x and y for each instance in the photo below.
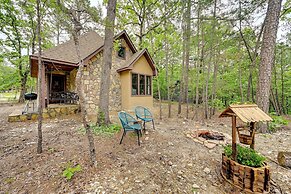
(166, 162)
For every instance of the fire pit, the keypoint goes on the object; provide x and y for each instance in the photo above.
(208, 138)
(208, 135)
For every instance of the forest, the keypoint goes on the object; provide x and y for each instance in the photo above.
(203, 56)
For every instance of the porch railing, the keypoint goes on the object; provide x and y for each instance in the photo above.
(64, 97)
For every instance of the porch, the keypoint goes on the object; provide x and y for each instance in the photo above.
(52, 111)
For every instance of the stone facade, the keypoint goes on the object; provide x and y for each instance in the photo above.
(92, 79)
(50, 112)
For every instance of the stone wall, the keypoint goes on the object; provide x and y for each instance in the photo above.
(50, 112)
(70, 81)
(92, 78)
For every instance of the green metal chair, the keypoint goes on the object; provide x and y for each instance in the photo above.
(145, 115)
(129, 124)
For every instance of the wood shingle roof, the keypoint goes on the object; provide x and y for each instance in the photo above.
(246, 112)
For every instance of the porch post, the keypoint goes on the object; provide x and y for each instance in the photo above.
(43, 86)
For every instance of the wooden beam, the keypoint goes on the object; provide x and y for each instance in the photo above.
(253, 132)
(234, 152)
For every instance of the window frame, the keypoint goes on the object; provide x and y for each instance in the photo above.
(138, 84)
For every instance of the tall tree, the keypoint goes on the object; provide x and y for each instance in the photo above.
(183, 67)
(15, 39)
(74, 26)
(187, 54)
(39, 81)
(214, 59)
(103, 109)
(267, 56)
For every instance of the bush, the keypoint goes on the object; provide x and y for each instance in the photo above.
(278, 121)
(103, 130)
(106, 130)
(246, 156)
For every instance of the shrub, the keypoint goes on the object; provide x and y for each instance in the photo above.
(106, 130)
(102, 130)
(278, 121)
(69, 172)
(246, 156)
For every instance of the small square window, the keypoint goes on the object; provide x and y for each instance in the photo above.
(121, 52)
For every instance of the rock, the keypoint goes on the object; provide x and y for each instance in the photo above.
(146, 138)
(207, 170)
(201, 139)
(188, 135)
(170, 163)
(209, 145)
(195, 186)
(23, 118)
(284, 159)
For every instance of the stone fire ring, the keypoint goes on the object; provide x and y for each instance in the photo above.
(210, 144)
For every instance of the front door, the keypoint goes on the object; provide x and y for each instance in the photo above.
(57, 84)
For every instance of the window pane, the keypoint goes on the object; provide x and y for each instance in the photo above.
(134, 84)
(121, 52)
(142, 84)
(149, 85)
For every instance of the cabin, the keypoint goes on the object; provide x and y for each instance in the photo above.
(131, 74)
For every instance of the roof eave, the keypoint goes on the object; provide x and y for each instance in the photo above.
(32, 57)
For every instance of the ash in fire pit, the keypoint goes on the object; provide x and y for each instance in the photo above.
(211, 135)
(208, 138)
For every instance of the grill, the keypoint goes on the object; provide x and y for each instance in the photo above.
(30, 96)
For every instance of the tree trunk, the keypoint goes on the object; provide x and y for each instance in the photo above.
(275, 95)
(282, 83)
(103, 112)
(39, 82)
(183, 69)
(197, 64)
(240, 82)
(253, 58)
(214, 59)
(202, 63)
(23, 81)
(160, 100)
(267, 56)
(75, 19)
(274, 102)
(187, 54)
(168, 80)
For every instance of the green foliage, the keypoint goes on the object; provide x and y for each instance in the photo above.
(9, 180)
(70, 171)
(101, 118)
(216, 103)
(103, 129)
(246, 156)
(278, 121)
(106, 130)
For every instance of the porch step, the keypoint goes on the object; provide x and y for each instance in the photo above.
(50, 112)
